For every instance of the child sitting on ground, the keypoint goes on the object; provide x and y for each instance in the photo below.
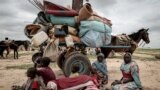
(34, 82)
(100, 68)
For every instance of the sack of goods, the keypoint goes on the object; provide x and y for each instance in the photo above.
(123, 39)
(94, 33)
(51, 50)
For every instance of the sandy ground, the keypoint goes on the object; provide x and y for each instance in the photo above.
(12, 72)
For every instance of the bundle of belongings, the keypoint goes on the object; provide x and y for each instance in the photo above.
(69, 26)
(123, 39)
(94, 31)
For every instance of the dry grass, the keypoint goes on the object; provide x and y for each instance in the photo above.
(23, 66)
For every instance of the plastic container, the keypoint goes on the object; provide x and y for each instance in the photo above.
(39, 38)
(69, 41)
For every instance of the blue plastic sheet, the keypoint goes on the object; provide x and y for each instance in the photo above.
(95, 26)
(94, 33)
(96, 39)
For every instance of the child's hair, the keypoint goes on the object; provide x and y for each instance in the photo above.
(45, 61)
(36, 62)
(31, 72)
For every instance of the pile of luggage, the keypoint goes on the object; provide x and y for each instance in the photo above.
(92, 29)
(69, 26)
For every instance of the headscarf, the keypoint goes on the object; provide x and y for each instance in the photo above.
(100, 55)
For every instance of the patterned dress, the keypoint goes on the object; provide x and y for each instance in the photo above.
(129, 71)
(101, 69)
(36, 84)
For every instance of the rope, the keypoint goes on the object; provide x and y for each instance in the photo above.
(140, 44)
(143, 45)
(37, 4)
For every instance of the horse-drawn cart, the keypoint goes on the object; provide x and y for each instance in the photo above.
(93, 31)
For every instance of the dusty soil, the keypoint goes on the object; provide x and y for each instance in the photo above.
(12, 72)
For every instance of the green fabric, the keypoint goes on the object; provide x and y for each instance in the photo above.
(126, 86)
(135, 75)
(70, 21)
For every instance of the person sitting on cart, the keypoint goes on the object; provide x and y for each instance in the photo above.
(100, 68)
(45, 71)
(7, 40)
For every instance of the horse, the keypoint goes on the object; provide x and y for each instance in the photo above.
(3, 47)
(14, 45)
(136, 37)
(25, 43)
(6, 46)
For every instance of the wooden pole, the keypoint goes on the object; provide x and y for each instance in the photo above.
(77, 4)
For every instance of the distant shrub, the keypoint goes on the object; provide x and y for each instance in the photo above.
(157, 56)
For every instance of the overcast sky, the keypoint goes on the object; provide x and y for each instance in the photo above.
(127, 16)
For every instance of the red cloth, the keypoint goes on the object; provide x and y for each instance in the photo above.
(129, 75)
(58, 10)
(63, 83)
(95, 80)
(126, 75)
(35, 85)
(47, 74)
(62, 13)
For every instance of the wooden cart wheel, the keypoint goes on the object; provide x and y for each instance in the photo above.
(61, 60)
(72, 53)
(36, 56)
(77, 63)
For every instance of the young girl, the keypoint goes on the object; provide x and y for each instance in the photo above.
(34, 82)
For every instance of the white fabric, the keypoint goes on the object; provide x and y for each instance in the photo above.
(51, 85)
(90, 86)
(69, 41)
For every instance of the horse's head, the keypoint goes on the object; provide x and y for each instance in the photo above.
(145, 35)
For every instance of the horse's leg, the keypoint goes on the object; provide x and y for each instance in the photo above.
(8, 51)
(2, 56)
(106, 51)
(133, 48)
(14, 54)
(17, 53)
